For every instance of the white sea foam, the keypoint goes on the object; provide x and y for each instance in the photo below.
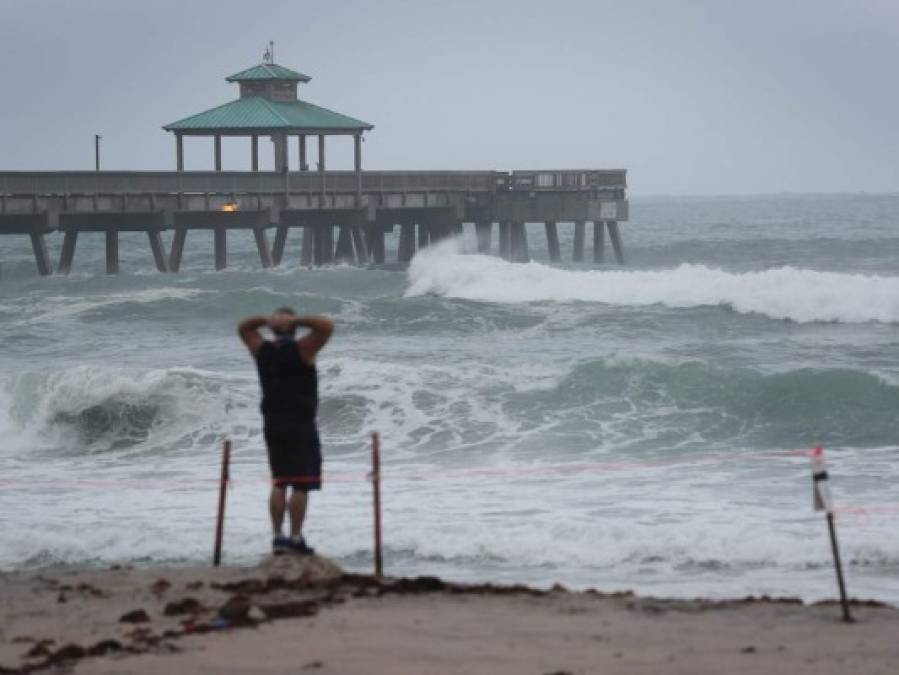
(58, 306)
(801, 295)
(87, 408)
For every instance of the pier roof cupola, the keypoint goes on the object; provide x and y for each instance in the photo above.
(269, 80)
(269, 106)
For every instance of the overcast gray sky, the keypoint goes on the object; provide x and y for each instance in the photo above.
(691, 96)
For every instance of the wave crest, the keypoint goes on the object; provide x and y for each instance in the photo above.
(800, 295)
(92, 409)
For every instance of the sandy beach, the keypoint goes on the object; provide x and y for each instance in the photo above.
(305, 615)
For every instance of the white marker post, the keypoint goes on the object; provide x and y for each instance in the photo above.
(823, 502)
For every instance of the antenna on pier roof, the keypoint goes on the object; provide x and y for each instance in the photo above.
(269, 55)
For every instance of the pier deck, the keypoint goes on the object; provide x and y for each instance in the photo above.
(426, 205)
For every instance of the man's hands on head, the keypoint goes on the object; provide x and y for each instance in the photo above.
(320, 329)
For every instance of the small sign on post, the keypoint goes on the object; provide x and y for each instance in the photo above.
(822, 502)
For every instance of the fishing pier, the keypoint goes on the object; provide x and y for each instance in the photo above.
(340, 216)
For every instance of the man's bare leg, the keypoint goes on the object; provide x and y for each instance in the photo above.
(297, 509)
(276, 504)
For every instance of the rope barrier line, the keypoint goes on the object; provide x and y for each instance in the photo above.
(538, 471)
(866, 510)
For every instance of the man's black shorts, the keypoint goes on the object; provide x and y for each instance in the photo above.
(295, 457)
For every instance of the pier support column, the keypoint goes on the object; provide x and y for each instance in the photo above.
(599, 242)
(41, 257)
(406, 248)
(68, 251)
(360, 245)
(177, 249)
(220, 238)
(254, 152)
(579, 236)
(344, 252)
(615, 236)
(424, 235)
(552, 242)
(157, 249)
(324, 245)
(484, 232)
(265, 256)
(375, 236)
(307, 252)
(520, 252)
(112, 251)
(218, 152)
(280, 242)
(505, 241)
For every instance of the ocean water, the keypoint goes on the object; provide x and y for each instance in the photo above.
(639, 427)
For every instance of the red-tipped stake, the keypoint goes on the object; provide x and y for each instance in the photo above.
(223, 491)
(376, 486)
(823, 502)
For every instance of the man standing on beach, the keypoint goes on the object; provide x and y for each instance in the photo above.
(289, 406)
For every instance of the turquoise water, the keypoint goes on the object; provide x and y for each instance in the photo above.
(637, 427)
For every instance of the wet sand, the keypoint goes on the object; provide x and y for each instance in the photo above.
(304, 615)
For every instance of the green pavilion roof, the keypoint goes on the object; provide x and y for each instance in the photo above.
(255, 112)
(268, 71)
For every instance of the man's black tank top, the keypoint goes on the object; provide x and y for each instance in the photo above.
(289, 385)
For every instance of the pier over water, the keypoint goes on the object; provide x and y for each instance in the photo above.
(343, 216)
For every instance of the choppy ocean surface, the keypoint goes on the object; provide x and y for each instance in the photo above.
(636, 427)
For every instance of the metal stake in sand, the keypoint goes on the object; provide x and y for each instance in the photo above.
(823, 502)
(376, 486)
(223, 491)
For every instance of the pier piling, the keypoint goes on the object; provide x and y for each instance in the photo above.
(360, 245)
(615, 236)
(598, 241)
(406, 248)
(307, 251)
(375, 236)
(519, 252)
(41, 256)
(220, 238)
(424, 235)
(505, 240)
(265, 256)
(579, 236)
(552, 242)
(279, 244)
(68, 251)
(158, 250)
(326, 235)
(112, 251)
(177, 248)
(344, 252)
(484, 232)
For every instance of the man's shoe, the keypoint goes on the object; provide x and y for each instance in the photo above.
(300, 547)
(281, 544)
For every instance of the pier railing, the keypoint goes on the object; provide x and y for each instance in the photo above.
(15, 183)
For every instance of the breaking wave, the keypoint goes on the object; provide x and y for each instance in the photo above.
(800, 295)
(91, 409)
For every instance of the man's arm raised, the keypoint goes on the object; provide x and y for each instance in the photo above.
(248, 329)
(320, 329)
